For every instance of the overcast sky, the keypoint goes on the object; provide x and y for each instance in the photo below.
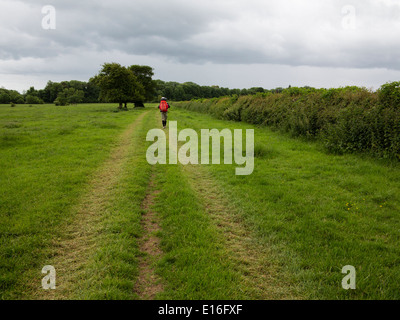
(231, 43)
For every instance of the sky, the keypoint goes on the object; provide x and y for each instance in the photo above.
(230, 43)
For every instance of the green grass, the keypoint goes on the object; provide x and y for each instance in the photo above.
(195, 264)
(317, 211)
(48, 155)
(113, 269)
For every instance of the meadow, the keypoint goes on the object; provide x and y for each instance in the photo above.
(76, 190)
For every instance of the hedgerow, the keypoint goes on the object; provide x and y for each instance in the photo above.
(349, 119)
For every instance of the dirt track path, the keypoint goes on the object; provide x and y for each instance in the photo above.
(80, 236)
(148, 283)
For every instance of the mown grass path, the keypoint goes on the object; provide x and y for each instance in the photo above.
(258, 272)
(148, 283)
(82, 235)
(205, 231)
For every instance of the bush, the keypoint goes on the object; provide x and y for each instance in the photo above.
(389, 95)
(33, 100)
(349, 119)
(4, 98)
(61, 101)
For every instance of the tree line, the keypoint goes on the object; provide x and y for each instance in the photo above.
(60, 93)
(122, 85)
(189, 90)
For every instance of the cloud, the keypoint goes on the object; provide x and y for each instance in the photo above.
(314, 33)
(308, 32)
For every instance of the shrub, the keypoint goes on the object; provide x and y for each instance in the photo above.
(389, 95)
(349, 119)
(4, 98)
(33, 100)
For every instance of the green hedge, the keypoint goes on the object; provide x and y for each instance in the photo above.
(349, 119)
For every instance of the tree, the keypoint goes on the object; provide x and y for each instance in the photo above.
(75, 96)
(51, 91)
(32, 92)
(69, 96)
(92, 93)
(16, 97)
(31, 96)
(144, 75)
(62, 98)
(30, 99)
(118, 84)
(4, 97)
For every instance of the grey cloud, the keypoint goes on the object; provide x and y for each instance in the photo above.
(307, 32)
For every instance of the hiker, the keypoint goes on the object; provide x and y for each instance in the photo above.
(164, 106)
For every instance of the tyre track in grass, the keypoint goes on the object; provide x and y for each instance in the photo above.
(258, 272)
(79, 241)
(249, 258)
(149, 283)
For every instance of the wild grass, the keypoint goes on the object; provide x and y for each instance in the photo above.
(317, 212)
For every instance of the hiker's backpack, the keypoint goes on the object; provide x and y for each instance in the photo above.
(163, 106)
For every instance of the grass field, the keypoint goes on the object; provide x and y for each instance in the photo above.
(77, 193)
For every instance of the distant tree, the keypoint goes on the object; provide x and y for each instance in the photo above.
(91, 92)
(51, 91)
(189, 90)
(16, 97)
(255, 90)
(75, 96)
(179, 93)
(244, 92)
(32, 92)
(62, 98)
(78, 85)
(118, 84)
(235, 92)
(144, 76)
(31, 96)
(30, 99)
(192, 90)
(4, 97)
(170, 91)
(277, 90)
(69, 96)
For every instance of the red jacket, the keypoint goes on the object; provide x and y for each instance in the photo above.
(163, 106)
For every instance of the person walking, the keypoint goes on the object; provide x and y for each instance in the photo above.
(164, 106)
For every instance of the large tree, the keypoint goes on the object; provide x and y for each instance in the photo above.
(144, 75)
(118, 84)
